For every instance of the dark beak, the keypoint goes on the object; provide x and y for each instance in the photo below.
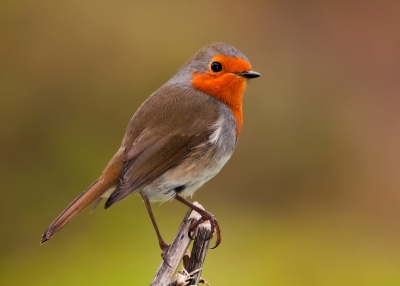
(248, 74)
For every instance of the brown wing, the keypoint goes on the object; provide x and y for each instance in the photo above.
(151, 155)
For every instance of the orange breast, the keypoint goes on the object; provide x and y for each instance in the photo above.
(225, 85)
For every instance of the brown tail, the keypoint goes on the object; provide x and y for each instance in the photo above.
(87, 197)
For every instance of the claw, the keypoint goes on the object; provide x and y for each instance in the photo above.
(215, 229)
(165, 259)
(218, 239)
(190, 235)
(164, 255)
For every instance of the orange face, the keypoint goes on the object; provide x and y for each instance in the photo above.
(224, 83)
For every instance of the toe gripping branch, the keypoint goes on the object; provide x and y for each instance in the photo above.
(204, 216)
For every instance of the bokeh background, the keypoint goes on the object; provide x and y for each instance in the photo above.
(312, 193)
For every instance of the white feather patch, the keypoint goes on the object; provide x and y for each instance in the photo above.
(217, 129)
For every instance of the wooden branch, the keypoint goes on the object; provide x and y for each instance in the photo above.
(191, 274)
(199, 251)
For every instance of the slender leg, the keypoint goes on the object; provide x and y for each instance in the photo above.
(205, 215)
(164, 247)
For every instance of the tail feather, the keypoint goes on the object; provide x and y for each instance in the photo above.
(87, 197)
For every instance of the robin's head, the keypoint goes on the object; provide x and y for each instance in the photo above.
(220, 71)
(216, 64)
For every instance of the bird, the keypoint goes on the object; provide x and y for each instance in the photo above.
(178, 139)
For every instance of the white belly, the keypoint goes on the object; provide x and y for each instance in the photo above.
(190, 175)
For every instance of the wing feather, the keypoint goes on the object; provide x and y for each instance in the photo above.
(151, 156)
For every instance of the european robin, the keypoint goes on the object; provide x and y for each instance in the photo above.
(177, 140)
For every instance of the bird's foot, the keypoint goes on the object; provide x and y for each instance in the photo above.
(207, 216)
(164, 254)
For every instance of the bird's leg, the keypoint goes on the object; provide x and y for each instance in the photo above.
(164, 246)
(205, 215)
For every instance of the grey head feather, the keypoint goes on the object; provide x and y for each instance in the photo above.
(199, 63)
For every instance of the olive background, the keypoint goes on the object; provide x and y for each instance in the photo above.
(311, 195)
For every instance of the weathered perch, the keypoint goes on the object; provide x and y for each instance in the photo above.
(177, 250)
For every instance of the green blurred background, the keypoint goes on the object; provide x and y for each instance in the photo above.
(312, 193)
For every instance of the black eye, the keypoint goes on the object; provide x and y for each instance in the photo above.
(216, 67)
